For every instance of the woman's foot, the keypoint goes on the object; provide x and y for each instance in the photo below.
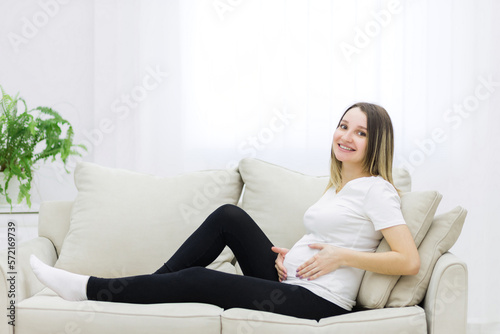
(67, 285)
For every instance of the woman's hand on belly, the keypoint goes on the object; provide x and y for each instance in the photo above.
(328, 259)
(280, 268)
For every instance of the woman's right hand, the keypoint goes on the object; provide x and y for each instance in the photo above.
(280, 268)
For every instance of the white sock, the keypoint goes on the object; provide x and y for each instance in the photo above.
(67, 285)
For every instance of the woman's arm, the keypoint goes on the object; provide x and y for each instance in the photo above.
(402, 259)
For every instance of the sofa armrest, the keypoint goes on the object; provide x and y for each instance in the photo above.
(446, 298)
(26, 283)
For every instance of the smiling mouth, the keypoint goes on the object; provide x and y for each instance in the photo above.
(346, 148)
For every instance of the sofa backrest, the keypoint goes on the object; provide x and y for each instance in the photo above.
(152, 216)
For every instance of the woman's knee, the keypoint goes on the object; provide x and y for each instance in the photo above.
(194, 276)
(231, 218)
(231, 211)
(194, 271)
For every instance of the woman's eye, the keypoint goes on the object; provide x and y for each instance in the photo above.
(343, 126)
(361, 133)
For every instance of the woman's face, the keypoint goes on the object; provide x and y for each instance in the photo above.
(350, 139)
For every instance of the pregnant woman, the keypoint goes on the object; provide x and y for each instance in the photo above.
(318, 277)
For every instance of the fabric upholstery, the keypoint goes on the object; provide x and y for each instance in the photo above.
(442, 235)
(445, 300)
(54, 220)
(277, 197)
(117, 212)
(387, 321)
(47, 313)
(418, 210)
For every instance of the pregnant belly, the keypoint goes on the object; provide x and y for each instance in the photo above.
(298, 254)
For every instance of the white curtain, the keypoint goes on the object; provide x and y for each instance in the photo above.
(168, 87)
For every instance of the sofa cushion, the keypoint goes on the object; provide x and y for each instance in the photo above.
(277, 198)
(410, 320)
(47, 313)
(442, 235)
(418, 209)
(126, 223)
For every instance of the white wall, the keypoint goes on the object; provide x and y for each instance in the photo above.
(47, 55)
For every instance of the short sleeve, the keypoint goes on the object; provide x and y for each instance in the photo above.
(382, 205)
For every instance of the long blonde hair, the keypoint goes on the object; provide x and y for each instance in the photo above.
(380, 145)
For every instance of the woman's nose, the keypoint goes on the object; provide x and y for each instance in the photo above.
(347, 136)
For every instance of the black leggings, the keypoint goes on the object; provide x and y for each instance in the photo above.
(184, 277)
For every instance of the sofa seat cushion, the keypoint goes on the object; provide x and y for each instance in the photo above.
(125, 223)
(410, 320)
(37, 315)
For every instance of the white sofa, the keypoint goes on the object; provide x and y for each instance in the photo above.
(124, 223)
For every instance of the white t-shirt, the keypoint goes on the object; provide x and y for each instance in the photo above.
(351, 219)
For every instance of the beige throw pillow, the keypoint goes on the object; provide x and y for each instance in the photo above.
(126, 223)
(442, 235)
(418, 210)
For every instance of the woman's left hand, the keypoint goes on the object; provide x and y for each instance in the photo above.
(328, 259)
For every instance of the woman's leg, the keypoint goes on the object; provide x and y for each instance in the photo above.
(201, 285)
(230, 226)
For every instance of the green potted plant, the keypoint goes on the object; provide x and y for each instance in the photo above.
(27, 137)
